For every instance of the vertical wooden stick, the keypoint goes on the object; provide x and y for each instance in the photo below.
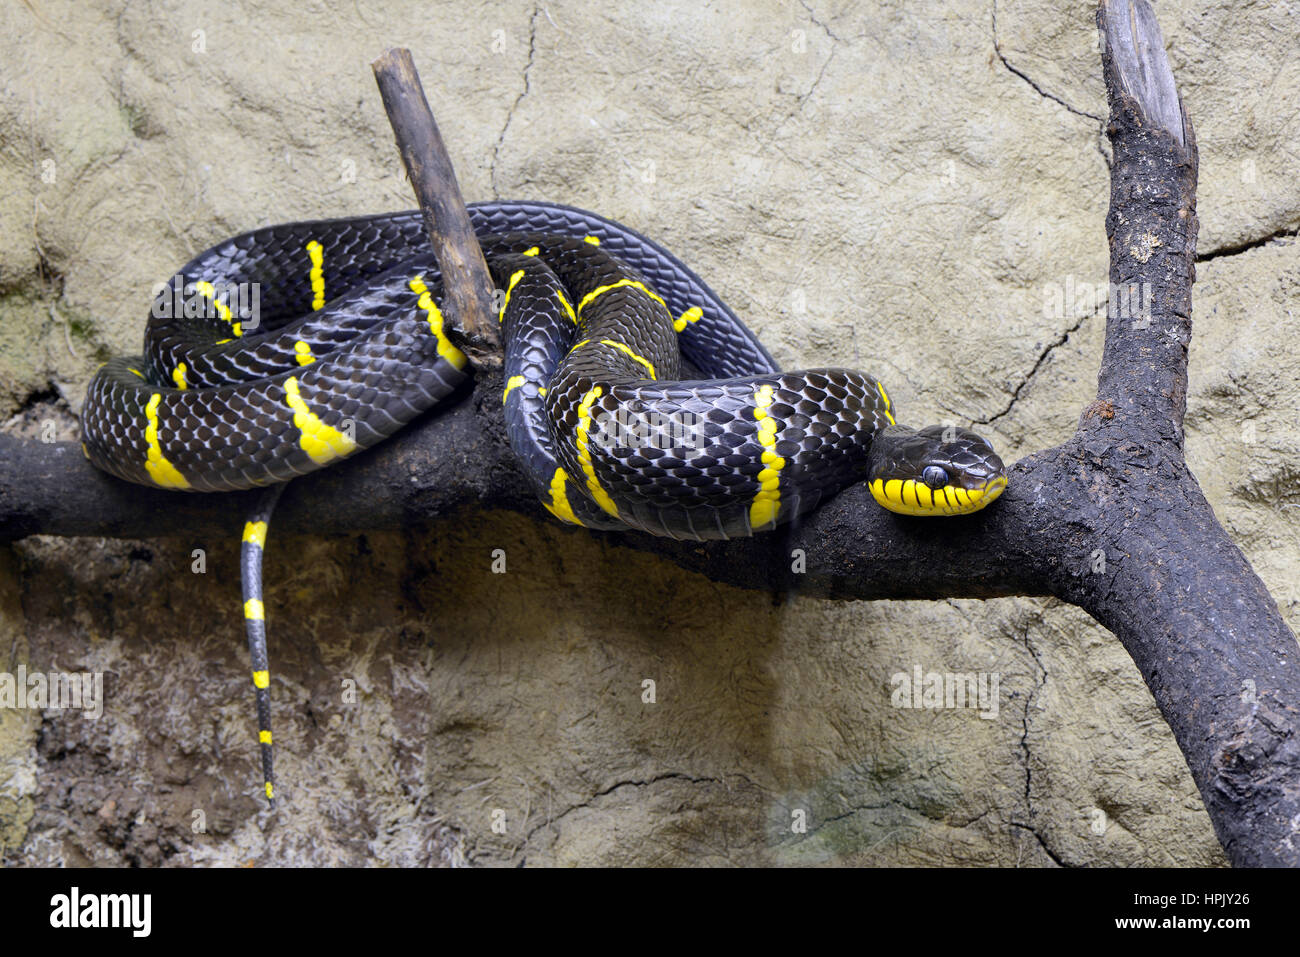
(467, 286)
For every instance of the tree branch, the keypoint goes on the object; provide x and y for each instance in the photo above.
(1112, 520)
(467, 286)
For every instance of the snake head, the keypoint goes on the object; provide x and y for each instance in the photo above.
(937, 470)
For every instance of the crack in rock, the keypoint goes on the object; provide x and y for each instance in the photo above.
(812, 15)
(770, 140)
(1038, 364)
(997, 48)
(1247, 245)
(1101, 121)
(1042, 843)
(1024, 747)
(670, 776)
(528, 66)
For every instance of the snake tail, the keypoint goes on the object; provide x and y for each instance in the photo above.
(250, 575)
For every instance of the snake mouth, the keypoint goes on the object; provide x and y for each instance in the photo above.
(913, 497)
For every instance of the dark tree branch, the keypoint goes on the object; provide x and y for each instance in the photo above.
(467, 287)
(1151, 225)
(1112, 520)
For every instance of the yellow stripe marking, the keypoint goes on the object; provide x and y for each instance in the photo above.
(322, 442)
(888, 405)
(514, 281)
(924, 495)
(209, 292)
(594, 240)
(541, 390)
(622, 283)
(531, 251)
(583, 443)
(255, 533)
(178, 376)
(303, 353)
(624, 349)
(270, 795)
(264, 737)
(445, 348)
(767, 503)
(568, 309)
(261, 679)
(514, 382)
(559, 503)
(317, 253)
(253, 609)
(162, 472)
(909, 494)
(894, 491)
(621, 348)
(693, 314)
(138, 372)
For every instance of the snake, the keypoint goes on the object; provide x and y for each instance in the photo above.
(634, 397)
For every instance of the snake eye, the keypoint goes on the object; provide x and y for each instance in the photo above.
(934, 476)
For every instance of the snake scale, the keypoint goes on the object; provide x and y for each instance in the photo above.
(634, 397)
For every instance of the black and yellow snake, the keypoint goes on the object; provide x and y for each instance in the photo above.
(634, 397)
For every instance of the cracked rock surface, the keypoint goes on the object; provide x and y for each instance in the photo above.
(918, 193)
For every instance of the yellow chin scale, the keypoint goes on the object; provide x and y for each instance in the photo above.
(912, 497)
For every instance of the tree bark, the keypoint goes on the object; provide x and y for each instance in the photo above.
(1111, 520)
(467, 288)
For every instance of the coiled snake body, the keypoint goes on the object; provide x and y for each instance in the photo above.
(282, 350)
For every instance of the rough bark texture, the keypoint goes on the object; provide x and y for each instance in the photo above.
(1111, 520)
(451, 236)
